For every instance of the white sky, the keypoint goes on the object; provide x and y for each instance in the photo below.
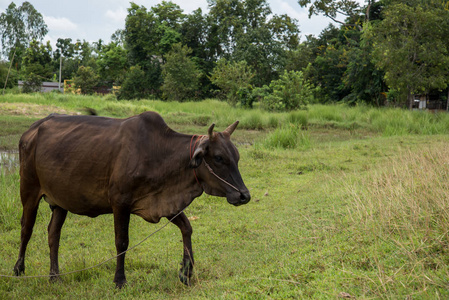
(92, 20)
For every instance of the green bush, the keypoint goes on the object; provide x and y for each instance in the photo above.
(85, 80)
(291, 91)
(13, 77)
(32, 83)
(234, 79)
(134, 85)
(180, 74)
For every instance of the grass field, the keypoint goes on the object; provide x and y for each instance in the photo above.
(347, 202)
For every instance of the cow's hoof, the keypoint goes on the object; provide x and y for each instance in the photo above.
(55, 278)
(184, 279)
(120, 285)
(120, 280)
(19, 268)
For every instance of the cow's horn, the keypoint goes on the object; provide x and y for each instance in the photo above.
(231, 128)
(211, 131)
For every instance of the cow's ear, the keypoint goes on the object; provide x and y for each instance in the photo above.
(197, 157)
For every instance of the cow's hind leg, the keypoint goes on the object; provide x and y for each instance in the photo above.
(187, 262)
(30, 202)
(121, 226)
(54, 233)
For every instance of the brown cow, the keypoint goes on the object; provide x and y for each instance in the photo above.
(91, 165)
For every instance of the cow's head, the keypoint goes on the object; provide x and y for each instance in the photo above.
(216, 163)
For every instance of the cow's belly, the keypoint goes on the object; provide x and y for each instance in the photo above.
(81, 187)
(79, 204)
(85, 195)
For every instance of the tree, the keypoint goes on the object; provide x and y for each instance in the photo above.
(152, 33)
(65, 48)
(180, 74)
(85, 80)
(169, 18)
(349, 9)
(364, 80)
(113, 63)
(329, 66)
(32, 83)
(291, 91)
(232, 77)
(37, 60)
(299, 58)
(4, 68)
(134, 85)
(149, 35)
(18, 27)
(410, 45)
(196, 34)
(244, 31)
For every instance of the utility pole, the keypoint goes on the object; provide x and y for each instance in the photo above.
(9, 70)
(60, 67)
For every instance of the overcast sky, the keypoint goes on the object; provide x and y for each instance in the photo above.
(92, 20)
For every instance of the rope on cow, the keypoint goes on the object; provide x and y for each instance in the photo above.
(99, 264)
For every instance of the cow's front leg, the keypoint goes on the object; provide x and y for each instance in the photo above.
(187, 262)
(121, 226)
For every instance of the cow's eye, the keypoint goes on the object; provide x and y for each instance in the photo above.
(218, 159)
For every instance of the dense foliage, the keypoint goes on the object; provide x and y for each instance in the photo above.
(381, 53)
(290, 92)
(180, 74)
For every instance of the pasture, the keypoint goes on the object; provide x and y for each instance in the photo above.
(347, 202)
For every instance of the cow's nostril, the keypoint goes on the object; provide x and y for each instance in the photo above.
(245, 197)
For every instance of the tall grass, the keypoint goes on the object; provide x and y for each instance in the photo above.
(404, 206)
(9, 195)
(384, 121)
(410, 195)
(287, 137)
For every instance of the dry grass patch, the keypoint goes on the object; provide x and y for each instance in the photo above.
(404, 208)
(33, 110)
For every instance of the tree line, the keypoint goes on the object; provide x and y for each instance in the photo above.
(382, 52)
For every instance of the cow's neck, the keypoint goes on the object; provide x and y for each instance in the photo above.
(173, 186)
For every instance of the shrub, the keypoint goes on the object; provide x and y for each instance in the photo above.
(85, 80)
(32, 83)
(234, 79)
(291, 91)
(134, 85)
(180, 74)
(12, 80)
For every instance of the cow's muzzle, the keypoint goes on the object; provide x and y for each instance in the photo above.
(239, 199)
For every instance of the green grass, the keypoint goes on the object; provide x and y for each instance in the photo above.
(358, 209)
(287, 137)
